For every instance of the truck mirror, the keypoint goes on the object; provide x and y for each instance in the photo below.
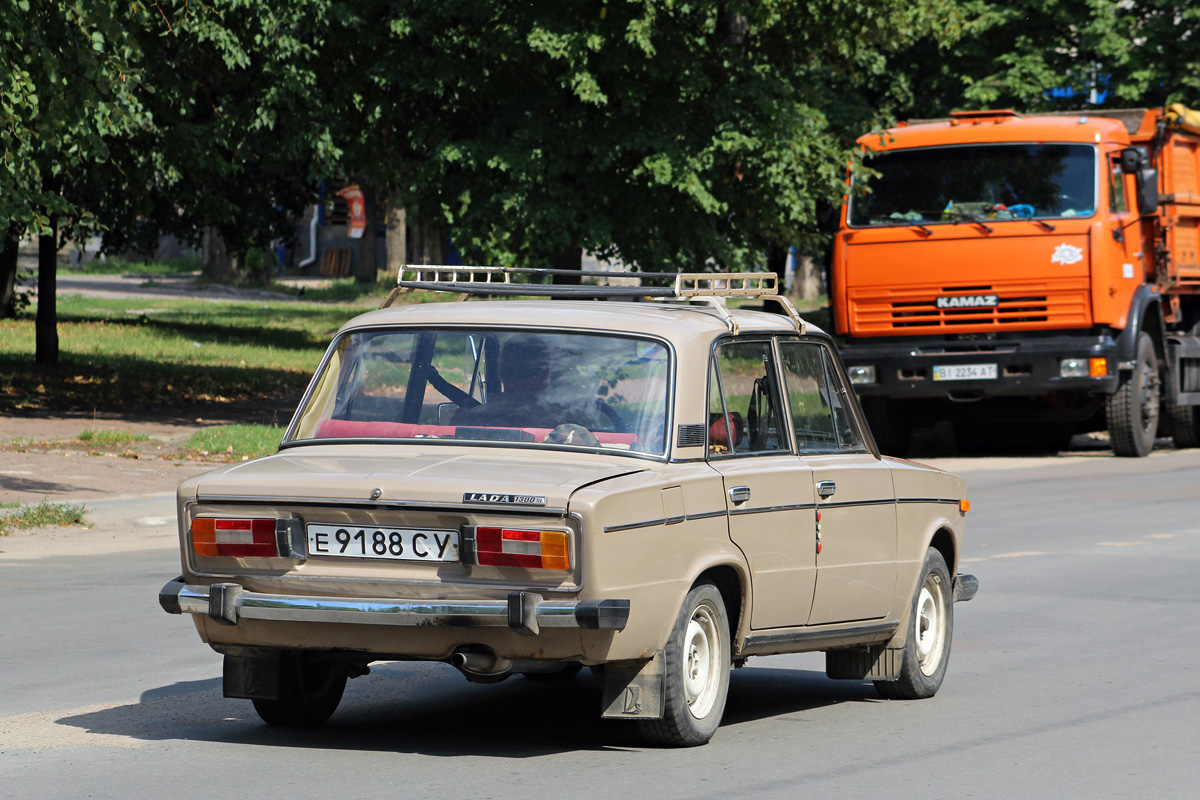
(1147, 191)
(1131, 159)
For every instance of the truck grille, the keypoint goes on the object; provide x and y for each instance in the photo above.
(1051, 304)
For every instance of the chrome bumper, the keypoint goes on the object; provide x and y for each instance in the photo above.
(524, 612)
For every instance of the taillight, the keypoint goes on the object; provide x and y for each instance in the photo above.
(238, 538)
(509, 547)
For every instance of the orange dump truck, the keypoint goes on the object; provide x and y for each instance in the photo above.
(1026, 277)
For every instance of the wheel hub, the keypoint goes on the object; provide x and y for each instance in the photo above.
(930, 625)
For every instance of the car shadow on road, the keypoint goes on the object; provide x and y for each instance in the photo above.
(428, 709)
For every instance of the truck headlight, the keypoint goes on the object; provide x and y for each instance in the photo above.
(1073, 368)
(1083, 367)
(865, 374)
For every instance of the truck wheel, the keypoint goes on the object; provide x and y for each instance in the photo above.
(1132, 411)
(695, 672)
(309, 692)
(1183, 425)
(930, 631)
(891, 429)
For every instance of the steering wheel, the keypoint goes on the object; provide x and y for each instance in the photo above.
(614, 416)
(455, 394)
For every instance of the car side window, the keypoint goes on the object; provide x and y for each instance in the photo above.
(820, 418)
(743, 409)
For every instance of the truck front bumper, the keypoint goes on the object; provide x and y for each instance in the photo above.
(1025, 367)
(524, 612)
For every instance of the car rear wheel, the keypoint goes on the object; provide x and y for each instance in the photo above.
(309, 691)
(696, 671)
(930, 630)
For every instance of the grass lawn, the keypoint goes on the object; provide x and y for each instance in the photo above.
(40, 516)
(105, 436)
(236, 442)
(119, 266)
(118, 354)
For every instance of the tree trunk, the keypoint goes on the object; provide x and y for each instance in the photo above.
(427, 242)
(367, 263)
(46, 326)
(8, 277)
(571, 258)
(397, 239)
(269, 266)
(218, 261)
(809, 278)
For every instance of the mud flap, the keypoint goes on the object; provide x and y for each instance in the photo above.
(876, 663)
(634, 690)
(252, 678)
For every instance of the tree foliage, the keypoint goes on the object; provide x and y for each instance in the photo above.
(632, 129)
(1052, 55)
(69, 89)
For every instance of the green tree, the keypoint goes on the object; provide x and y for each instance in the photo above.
(233, 147)
(1052, 55)
(645, 131)
(68, 90)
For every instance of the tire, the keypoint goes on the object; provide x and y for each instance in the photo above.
(1132, 412)
(1183, 425)
(695, 672)
(309, 692)
(890, 427)
(930, 632)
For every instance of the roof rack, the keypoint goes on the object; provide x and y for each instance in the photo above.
(708, 287)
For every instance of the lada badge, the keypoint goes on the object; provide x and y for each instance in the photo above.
(504, 499)
(968, 301)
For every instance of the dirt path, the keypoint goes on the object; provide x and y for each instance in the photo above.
(43, 458)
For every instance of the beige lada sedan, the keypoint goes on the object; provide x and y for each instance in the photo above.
(656, 490)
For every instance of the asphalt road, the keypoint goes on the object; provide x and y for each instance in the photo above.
(1072, 676)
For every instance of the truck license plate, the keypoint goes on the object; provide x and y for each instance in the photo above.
(397, 544)
(965, 372)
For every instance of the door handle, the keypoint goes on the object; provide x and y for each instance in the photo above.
(739, 494)
(826, 489)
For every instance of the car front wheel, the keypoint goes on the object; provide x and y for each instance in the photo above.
(930, 630)
(696, 671)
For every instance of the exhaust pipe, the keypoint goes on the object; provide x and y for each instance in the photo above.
(487, 663)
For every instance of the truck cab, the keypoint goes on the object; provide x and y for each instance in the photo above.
(998, 271)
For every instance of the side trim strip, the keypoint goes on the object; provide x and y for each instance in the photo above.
(851, 503)
(650, 523)
(737, 512)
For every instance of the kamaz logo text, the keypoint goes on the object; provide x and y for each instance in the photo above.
(969, 301)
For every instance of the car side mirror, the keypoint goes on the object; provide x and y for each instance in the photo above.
(1147, 191)
(1133, 158)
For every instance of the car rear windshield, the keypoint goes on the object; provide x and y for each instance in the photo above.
(537, 388)
(978, 182)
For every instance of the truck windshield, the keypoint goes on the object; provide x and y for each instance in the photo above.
(533, 387)
(978, 182)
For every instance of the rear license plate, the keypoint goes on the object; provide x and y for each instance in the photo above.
(396, 544)
(965, 372)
